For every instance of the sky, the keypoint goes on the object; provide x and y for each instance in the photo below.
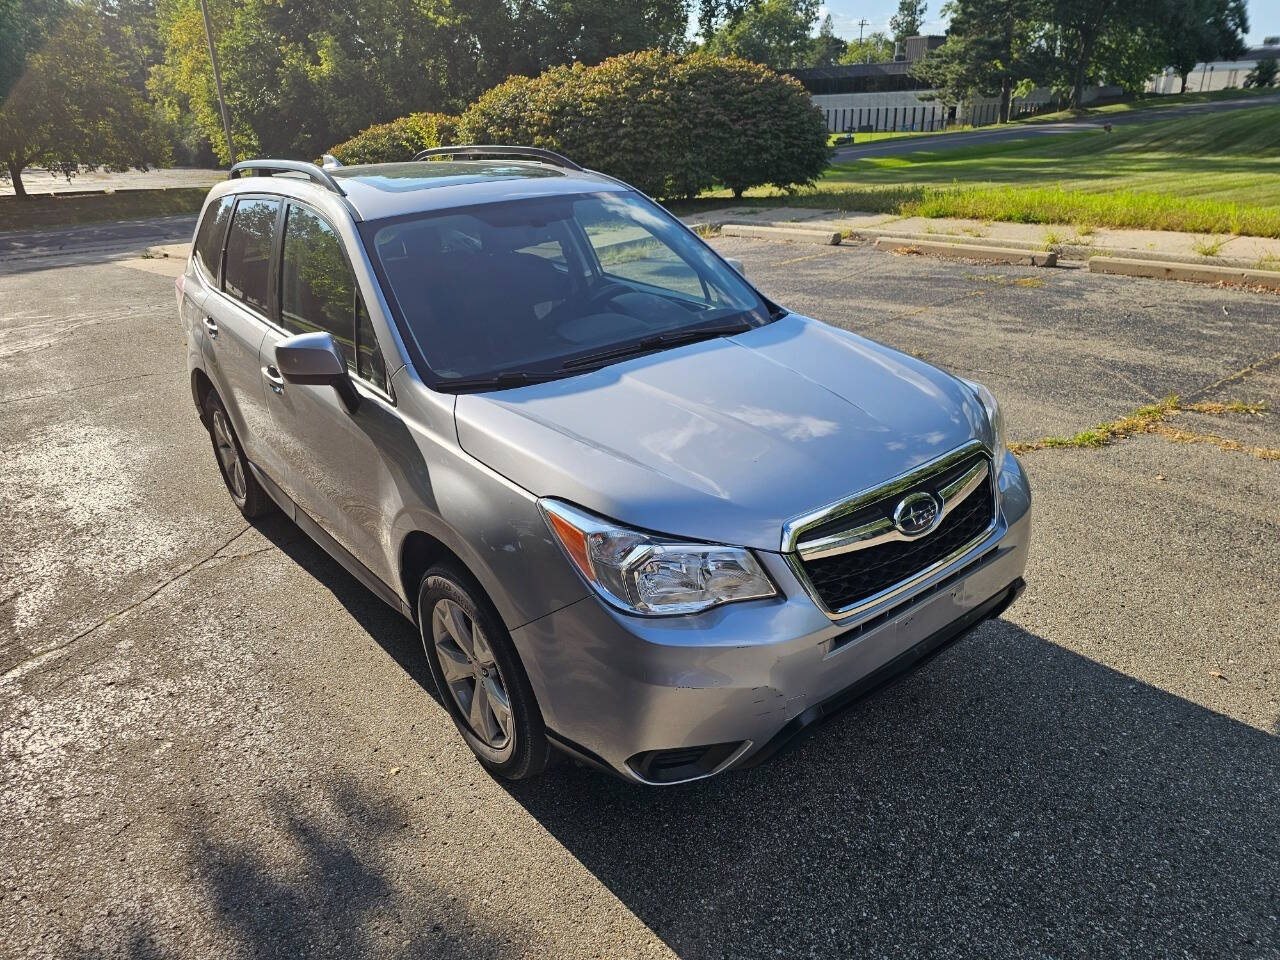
(1264, 17)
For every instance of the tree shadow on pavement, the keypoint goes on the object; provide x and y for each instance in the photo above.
(1010, 799)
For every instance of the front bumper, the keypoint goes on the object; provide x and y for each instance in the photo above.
(747, 678)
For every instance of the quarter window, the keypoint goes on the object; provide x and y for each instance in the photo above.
(213, 229)
(318, 292)
(249, 252)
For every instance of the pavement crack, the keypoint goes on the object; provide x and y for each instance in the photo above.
(1255, 367)
(32, 664)
(86, 386)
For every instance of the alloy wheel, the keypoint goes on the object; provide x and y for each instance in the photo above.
(228, 456)
(471, 674)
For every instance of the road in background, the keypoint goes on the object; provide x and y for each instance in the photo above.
(215, 742)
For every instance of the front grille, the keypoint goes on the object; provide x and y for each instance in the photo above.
(846, 579)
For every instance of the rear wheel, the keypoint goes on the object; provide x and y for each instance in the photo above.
(479, 675)
(246, 493)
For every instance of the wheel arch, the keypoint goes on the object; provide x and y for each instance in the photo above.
(201, 387)
(419, 552)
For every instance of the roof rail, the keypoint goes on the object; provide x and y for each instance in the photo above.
(265, 168)
(478, 150)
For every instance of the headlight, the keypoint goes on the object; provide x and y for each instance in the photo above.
(649, 575)
(994, 418)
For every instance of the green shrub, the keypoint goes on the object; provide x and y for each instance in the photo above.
(398, 140)
(671, 126)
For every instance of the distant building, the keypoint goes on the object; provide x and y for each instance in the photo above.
(885, 96)
(1217, 74)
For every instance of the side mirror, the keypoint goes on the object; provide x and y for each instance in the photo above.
(737, 265)
(313, 358)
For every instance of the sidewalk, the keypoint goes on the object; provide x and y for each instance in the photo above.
(1064, 238)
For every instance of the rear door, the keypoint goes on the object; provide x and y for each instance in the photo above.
(236, 319)
(337, 472)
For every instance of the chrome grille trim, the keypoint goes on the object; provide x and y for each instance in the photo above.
(793, 530)
(795, 548)
(883, 530)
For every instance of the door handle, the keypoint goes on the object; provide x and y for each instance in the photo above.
(274, 380)
(211, 327)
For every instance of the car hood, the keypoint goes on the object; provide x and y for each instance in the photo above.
(727, 439)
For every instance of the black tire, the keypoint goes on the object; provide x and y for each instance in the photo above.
(524, 752)
(246, 493)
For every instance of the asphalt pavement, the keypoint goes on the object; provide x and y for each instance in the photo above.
(1033, 131)
(216, 743)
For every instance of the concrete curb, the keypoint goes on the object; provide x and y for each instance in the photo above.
(1195, 259)
(800, 234)
(1158, 270)
(965, 251)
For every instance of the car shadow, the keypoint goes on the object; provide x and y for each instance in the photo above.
(1011, 798)
(396, 635)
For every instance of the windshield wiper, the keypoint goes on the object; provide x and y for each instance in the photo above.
(670, 338)
(499, 381)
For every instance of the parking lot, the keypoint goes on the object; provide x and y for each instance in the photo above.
(214, 742)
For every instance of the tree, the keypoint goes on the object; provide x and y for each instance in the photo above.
(72, 106)
(302, 74)
(1197, 31)
(1263, 73)
(874, 48)
(988, 50)
(25, 26)
(908, 20)
(546, 33)
(827, 48)
(1078, 26)
(771, 32)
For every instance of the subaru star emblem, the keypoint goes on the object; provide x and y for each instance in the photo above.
(916, 515)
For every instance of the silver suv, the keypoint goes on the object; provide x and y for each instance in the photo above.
(640, 513)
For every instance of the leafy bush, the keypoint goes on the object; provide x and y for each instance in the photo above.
(671, 126)
(398, 140)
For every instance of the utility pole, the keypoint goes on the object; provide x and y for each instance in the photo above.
(861, 24)
(217, 81)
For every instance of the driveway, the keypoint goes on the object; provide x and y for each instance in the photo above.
(214, 742)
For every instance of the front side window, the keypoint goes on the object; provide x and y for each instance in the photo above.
(547, 286)
(318, 292)
(213, 230)
(248, 261)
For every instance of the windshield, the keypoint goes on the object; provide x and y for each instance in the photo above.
(549, 286)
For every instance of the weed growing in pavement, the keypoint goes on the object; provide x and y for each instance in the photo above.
(1208, 246)
(1152, 418)
(1268, 261)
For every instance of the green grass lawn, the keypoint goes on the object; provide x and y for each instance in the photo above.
(1210, 173)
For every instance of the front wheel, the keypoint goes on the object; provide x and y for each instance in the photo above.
(479, 675)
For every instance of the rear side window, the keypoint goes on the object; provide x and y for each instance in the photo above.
(213, 228)
(318, 292)
(249, 252)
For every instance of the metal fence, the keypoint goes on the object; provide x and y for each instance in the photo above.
(925, 119)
